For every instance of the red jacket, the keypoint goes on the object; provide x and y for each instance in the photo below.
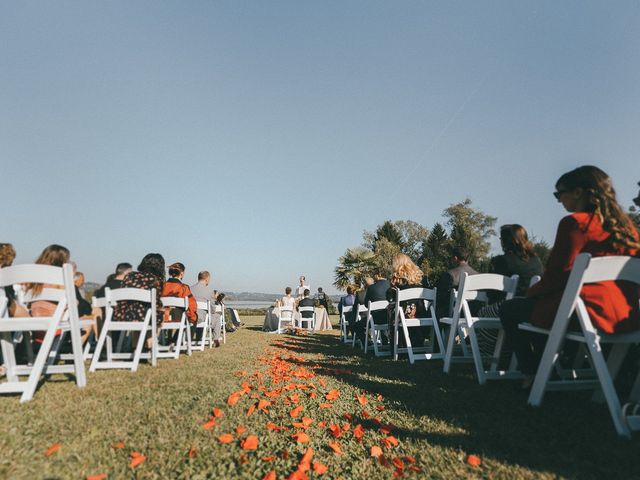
(612, 306)
(175, 288)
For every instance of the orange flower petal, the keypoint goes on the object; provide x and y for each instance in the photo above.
(300, 437)
(380, 408)
(193, 452)
(362, 399)
(296, 411)
(322, 424)
(233, 399)
(390, 441)
(325, 405)
(335, 446)
(240, 429)
(397, 473)
(263, 404)
(358, 432)
(376, 451)
(207, 425)
(99, 476)
(410, 459)
(319, 468)
(251, 409)
(52, 449)
(118, 446)
(306, 421)
(270, 476)
(335, 430)
(379, 397)
(474, 460)
(398, 463)
(298, 475)
(269, 458)
(250, 443)
(217, 412)
(137, 460)
(225, 438)
(332, 395)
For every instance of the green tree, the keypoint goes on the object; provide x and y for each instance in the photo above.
(471, 229)
(436, 253)
(408, 235)
(356, 264)
(542, 249)
(385, 251)
(390, 232)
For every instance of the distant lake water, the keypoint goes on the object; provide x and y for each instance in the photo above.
(250, 304)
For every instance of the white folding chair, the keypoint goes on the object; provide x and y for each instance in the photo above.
(427, 352)
(344, 324)
(590, 270)
(465, 326)
(373, 331)
(310, 321)
(205, 325)
(143, 326)
(285, 316)
(183, 341)
(65, 318)
(219, 310)
(360, 312)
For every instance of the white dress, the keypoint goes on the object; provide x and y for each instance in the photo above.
(288, 302)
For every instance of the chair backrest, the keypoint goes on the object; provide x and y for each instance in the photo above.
(99, 302)
(286, 311)
(134, 294)
(473, 287)
(203, 305)
(347, 308)
(378, 305)
(535, 279)
(181, 302)
(427, 294)
(306, 309)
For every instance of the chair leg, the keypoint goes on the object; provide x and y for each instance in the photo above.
(38, 365)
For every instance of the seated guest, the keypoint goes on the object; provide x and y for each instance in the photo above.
(637, 199)
(202, 291)
(321, 299)
(174, 287)
(596, 225)
(115, 279)
(358, 305)
(347, 301)
(228, 324)
(7, 255)
(450, 280)
(306, 302)
(376, 291)
(287, 300)
(150, 274)
(406, 274)
(85, 311)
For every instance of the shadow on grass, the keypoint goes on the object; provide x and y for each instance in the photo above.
(569, 435)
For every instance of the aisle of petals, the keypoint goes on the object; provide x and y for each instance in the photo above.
(318, 430)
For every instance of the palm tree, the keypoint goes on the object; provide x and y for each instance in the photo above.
(356, 264)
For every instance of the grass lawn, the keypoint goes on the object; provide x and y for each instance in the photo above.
(437, 419)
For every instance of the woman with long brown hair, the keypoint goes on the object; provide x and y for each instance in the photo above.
(596, 225)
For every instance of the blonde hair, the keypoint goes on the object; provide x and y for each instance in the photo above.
(405, 270)
(7, 254)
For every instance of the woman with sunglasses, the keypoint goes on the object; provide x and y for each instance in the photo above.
(596, 225)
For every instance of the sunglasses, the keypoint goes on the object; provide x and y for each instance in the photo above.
(558, 193)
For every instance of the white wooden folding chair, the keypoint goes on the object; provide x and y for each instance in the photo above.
(183, 341)
(219, 310)
(590, 270)
(464, 326)
(373, 331)
(310, 321)
(427, 352)
(65, 318)
(344, 324)
(359, 316)
(205, 326)
(145, 325)
(285, 316)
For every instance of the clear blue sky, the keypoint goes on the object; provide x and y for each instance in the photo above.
(258, 139)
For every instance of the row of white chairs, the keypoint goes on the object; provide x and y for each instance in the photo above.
(59, 290)
(590, 369)
(287, 318)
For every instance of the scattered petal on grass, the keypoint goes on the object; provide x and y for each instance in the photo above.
(322, 424)
(263, 404)
(358, 432)
(380, 408)
(409, 459)
(399, 464)
(193, 452)
(118, 445)
(207, 425)
(250, 443)
(474, 460)
(384, 462)
(99, 476)
(376, 451)
(270, 476)
(390, 442)
(319, 468)
(243, 460)
(332, 395)
(240, 429)
(225, 438)
(233, 399)
(251, 410)
(296, 411)
(415, 468)
(300, 437)
(269, 458)
(335, 430)
(335, 446)
(379, 397)
(52, 449)
(325, 405)
(398, 473)
(217, 412)
(136, 459)
(322, 382)
(298, 475)
(306, 421)
(362, 400)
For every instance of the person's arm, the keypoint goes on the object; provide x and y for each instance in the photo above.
(570, 240)
(192, 311)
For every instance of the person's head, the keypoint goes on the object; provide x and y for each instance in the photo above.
(459, 254)
(405, 270)
(302, 279)
(54, 255)
(349, 290)
(514, 239)
(287, 291)
(319, 289)
(368, 281)
(78, 279)
(637, 199)
(176, 270)
(378, 274)
(589, 189)
(204, 277)
(122, 269)
(153, 263)
(220, 297)
(7, 254)
(306, 292)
